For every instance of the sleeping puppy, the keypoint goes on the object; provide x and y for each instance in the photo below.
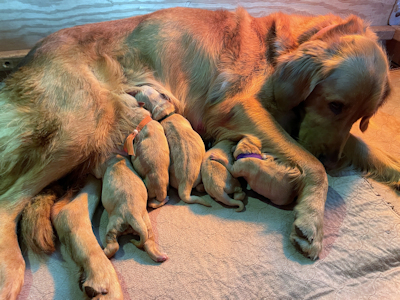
(217, 180)
(265, 174)
(150, 156)
(126, 208)
(186, 146)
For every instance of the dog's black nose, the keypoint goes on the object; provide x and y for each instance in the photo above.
(91, 292)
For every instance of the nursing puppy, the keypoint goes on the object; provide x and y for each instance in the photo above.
(150, 156)
(217, 180)
(126, 206)
(185, 145)
(265, 174)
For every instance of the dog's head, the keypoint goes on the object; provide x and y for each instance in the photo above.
(338, 76)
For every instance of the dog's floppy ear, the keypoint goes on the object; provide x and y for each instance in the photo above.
(385, 95)
(298, 73)
(364, 123)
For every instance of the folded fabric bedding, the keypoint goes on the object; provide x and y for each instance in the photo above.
(217, 253)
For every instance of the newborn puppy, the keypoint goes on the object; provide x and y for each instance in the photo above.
(186, 146)
(150, 156)
(217, 180)
(266, 175)
(124, 197)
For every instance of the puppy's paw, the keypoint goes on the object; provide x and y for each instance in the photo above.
(153, 203)
(152, 250)
(307, 235)
(100, 282)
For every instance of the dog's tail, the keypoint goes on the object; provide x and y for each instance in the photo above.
(184, 191)
(373, 162)
(36, 227)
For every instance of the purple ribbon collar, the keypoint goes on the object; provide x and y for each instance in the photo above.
(245, 155)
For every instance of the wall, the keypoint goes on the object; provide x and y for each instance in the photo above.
(24, 22)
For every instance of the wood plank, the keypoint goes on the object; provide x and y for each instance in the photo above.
(24, 22)
(396, 35)
(9, 59)
(384, 32)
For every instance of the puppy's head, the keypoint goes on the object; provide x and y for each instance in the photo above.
(338, 76)
(156, 102)
(248, 144)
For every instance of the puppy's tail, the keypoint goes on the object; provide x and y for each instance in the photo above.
(184, 191)
(373, 162)
(36, 228)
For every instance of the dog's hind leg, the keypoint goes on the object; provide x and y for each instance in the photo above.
(12, 203)
(71, 219)
(12, 264)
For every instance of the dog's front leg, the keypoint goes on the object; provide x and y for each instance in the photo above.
(372, 161)
(247, 116)
(71, 219)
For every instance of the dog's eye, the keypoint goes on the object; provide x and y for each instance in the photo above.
(165, 97)
(336, 107)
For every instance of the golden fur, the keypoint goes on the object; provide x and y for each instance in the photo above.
(267, 176)
(186, 146)
(217, 180)
(233, 75)
(126, 207)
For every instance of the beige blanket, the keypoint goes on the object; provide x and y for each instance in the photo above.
(217, 253)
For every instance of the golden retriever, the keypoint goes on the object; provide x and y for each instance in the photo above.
(233, 75)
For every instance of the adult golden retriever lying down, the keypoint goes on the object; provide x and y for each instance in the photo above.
(233, 75)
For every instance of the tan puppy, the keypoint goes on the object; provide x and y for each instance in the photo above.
(265, 174)
(126, 207)
(151, 158)
(217, 180)
(186, 146)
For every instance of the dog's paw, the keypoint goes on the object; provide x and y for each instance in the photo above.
(307, 235)
(101, 282)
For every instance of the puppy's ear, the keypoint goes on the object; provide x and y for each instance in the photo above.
(248, 144)
(298, 73)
